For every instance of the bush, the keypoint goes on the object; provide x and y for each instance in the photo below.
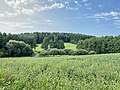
(54, 52)
(80, 52)
(35, 54)
(57, 52)
(68, 51)
(73, 53)
(18, 48)
(44, 53)
(62, 52)
(3, 53)
(92, 52)
(59, 44)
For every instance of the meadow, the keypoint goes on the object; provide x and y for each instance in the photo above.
(67, 46)
(87, 72)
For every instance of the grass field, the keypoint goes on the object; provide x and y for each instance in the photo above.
(70, 46)
(67, 46)
(94, 72)
(38, 48)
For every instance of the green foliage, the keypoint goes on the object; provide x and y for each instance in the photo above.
(68, 51)
(44, 53)
(62, 52)
(80, 52)
(18, 48)
(59, 44)
(3, 53)
(92, 72)
(28, 38)
(66, 37)
(57, 52)
(3, 40)
(100, 45)
(45, 43)
(92, 52)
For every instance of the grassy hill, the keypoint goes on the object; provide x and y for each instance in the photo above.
(91, 72)
(67, 46)
(38, 48)
(70, 46)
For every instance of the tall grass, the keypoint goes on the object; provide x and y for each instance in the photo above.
(95, 72)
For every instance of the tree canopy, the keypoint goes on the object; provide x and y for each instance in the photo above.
(18, 48)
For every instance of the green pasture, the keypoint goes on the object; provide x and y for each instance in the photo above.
(89, 72)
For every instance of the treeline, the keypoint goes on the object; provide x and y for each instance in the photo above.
(107, 44)
(32, 39)
(13, 45)
(54, 51)
(37, 37)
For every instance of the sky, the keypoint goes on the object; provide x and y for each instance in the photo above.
(91, 17)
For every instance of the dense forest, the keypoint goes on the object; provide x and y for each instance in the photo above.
(34, 38)
(12, 45)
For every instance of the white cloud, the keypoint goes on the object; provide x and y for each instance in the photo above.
(72, 8)
(12, 26)
(88, 4)
(84, 0)
(106, 14)
(27, 11)
(76, 2)
(56, 5)
(112, 16)
(48, 21)
(28, 7)
(15, 3)
(2, 14)
(100, 6)
(38, 8)
(9, 26)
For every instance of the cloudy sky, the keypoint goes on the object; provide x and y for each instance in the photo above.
(93, 17)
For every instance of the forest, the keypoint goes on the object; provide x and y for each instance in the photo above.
(17, 45)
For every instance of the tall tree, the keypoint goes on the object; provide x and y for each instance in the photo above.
(18, 48)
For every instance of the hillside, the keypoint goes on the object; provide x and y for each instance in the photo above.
(67, 46)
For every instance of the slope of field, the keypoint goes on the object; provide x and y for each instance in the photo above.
(38, 48)
(67, 46)
(70, 46)
(95, 72)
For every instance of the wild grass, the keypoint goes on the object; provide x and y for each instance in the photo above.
(67, 46)
(70, 46)
(89, 72)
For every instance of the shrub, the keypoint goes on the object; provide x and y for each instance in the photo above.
(62, 52)
(57, 52)
(48, 49)
(54, 52)
(80, 52)
(59, 44)
(73, 53)
(68, 51)
(35, 54)
(18, 48)
(3, 53)
(92, 52)
(44, 53)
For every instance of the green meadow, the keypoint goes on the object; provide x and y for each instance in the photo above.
(67, 46)
(85, 72)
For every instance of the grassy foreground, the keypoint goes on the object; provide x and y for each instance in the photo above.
(95, 72)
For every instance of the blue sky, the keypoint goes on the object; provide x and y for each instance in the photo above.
(92, 17)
